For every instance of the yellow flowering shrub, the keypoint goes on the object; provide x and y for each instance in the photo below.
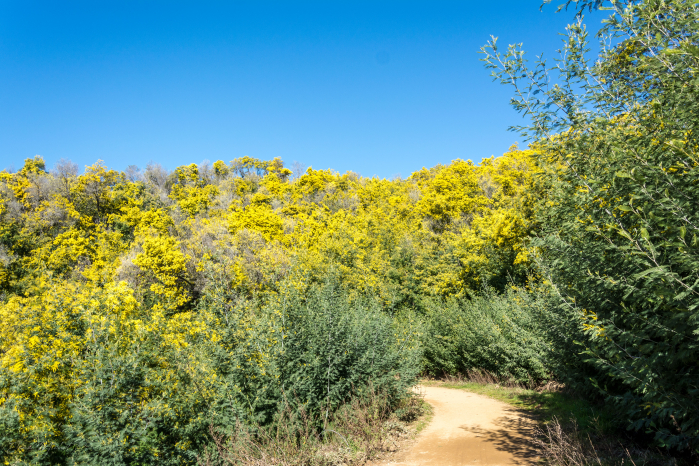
(163, 259)
(258, 217)
(169, 297)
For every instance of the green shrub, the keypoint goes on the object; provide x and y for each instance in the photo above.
(500, 333)
(144, 402)
(315, 350)
(333, 348)
(618, 137)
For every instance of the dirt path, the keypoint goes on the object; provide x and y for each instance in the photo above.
(470, 429)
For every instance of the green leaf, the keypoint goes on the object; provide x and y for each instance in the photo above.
(624, 234)
(649, 271)
(692, 50)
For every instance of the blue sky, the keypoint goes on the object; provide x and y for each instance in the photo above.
(380, 88)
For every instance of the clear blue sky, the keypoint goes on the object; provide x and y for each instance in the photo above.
(381, 88)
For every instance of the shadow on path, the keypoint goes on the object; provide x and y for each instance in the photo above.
(512, 434)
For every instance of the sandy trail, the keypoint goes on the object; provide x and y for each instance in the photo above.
(470, 429)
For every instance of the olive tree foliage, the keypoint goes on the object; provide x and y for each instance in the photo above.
(616, 133)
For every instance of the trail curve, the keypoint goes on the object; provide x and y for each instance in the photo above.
(470, 429)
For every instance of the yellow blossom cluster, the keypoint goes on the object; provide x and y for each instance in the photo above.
(107, 266)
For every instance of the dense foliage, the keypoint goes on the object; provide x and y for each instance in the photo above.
(620, 220)
(505, 335)
(141, 308)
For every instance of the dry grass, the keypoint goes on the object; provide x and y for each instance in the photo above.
(564, 445)
(488, 384)
(359, 431)
(572, 431)
(483, 377)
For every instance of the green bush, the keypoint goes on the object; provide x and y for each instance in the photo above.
(323, 349)
(500, 333)
(618, 142)
(139, 404)
(334, 347)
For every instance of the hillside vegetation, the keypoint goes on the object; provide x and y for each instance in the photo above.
(141, 308)
(144, 313)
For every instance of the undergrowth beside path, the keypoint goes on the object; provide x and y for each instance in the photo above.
(358, 432)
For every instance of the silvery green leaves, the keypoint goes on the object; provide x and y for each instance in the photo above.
(618, 139)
